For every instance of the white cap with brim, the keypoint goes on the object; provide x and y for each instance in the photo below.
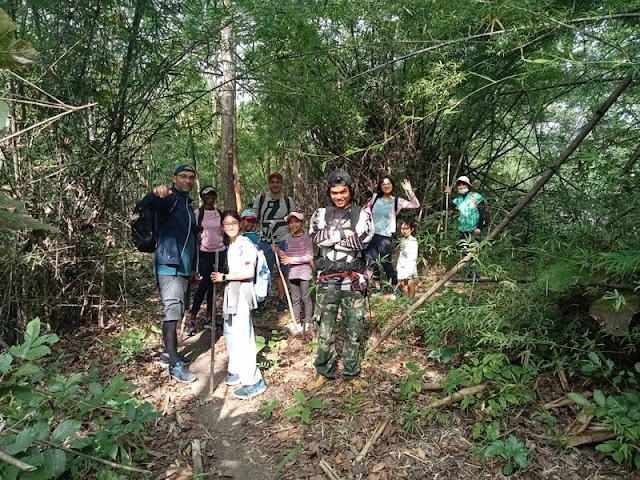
(297, 215)
(464, 179)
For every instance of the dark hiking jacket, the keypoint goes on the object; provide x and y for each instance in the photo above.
(175, 221)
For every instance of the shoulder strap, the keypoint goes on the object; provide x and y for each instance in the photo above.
(288, 203)
(473, 199)
(354, 216)
(395, 205)
(260, 205)
(329, 213)
(375, 199)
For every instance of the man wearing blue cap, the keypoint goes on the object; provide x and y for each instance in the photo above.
(174, 261)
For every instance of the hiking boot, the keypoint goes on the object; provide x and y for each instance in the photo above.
(232, 379)
(190, 328)
(261, 307)
(319, 381)
(282, 306)
(182, 373)
(249, 391)
(358, 383)
(164, 359)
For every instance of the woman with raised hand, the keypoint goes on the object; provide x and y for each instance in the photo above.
(384, 207)
(239, 301)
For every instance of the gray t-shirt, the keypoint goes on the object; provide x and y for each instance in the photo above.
(273, 211)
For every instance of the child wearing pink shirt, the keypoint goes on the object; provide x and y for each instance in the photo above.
(299, 257)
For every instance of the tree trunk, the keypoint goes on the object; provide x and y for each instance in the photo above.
(228, 156)
(564, 156)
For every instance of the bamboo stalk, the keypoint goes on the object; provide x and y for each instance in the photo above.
(376, 434)
(25, 467)
(524, 201)
(329, 472)
(458, 396)
(212, 365)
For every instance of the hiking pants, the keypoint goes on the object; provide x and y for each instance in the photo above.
(380, 250)
(241, 344)
(206, 266)
(352, 318)
(300, 299)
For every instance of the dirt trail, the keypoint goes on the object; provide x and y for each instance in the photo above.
(242, 444)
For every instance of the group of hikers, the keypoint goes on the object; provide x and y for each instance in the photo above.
(207, 246)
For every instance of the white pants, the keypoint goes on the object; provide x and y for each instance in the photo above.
(241, 345)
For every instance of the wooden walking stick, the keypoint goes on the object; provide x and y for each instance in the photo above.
(212, 366)
(524, 201)
(284, 281)
(446, 205)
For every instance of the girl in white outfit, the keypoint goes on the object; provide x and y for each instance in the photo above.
(407, 267)
(239, 301)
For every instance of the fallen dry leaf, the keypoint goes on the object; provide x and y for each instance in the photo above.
(378, 466)
(188, 417)
(226, 443)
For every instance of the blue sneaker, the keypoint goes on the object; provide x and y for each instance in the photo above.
(164, 359)
(182, 373)
(249, 391)
(232, 379)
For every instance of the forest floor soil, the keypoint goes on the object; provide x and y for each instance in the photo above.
(239, 441)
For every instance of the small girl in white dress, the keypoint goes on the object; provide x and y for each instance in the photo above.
(407, 267)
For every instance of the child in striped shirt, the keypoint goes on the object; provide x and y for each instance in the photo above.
(299, 257)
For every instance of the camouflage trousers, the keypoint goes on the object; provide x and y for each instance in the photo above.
(352, 318)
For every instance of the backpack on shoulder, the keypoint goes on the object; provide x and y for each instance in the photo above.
(143, 229)
(262, 278)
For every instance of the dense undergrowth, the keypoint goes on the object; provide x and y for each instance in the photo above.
(69, 425)
(530, 322)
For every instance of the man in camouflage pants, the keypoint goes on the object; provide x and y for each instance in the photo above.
(342, 232)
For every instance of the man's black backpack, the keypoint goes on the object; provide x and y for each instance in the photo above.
(143, 229)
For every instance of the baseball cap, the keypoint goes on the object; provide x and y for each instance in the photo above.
(274, 174)
(339, 177)
(207, 190)
(249, 213)
(297, 215)
(184, 168)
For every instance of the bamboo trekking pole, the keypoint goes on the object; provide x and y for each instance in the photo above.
(212, 365)
(524, 201)
(446, 205)
(284, 281)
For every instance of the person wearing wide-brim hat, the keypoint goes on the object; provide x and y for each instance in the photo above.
(473, 210)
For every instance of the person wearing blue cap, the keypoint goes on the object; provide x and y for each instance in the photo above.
(174, 261)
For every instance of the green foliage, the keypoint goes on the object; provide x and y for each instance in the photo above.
(277, 343)
(412, 385)
(618, 300)
(355, 406)
(621, 413)
(268, 407)
(513, 451)
(14, 53)
(14, 216)
(128, 344)
(303, 408)
(38, 405)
